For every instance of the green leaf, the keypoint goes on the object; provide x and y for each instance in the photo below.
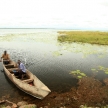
(79, 77)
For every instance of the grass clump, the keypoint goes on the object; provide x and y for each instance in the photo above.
(92, 37)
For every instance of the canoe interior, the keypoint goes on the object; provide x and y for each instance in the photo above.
(29, 84)
(13, 66)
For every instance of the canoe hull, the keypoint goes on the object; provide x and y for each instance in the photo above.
(38, 89)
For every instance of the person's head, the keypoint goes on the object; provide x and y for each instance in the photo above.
(18, 61)
(5, 52)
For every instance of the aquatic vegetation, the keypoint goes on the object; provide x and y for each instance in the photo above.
(92, 37)
(79, 77)
(93, 69)
(29, 37)
(78, 74)
(57, 53)
(106, 72)
(100, 68)
(7, 37)
(51, 37)
(84, 49)
(83, 42)
(104, 69)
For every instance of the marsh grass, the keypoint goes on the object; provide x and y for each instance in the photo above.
(92, 37)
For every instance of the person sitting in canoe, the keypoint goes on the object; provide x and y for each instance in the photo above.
(21, 69)
(5, 57)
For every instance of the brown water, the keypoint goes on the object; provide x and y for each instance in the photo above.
(48, 59)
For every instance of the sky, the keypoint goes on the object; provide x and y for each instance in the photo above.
(72, 14)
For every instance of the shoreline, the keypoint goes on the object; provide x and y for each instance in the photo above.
(90, 93)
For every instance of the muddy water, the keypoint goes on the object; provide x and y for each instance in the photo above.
(48, 59)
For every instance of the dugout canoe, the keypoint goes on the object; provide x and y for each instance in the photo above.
(30, 85)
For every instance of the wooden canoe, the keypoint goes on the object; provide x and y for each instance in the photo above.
(31, 85)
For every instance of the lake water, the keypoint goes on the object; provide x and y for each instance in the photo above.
(48, 59)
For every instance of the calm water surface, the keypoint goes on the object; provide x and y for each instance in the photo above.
(48, 59)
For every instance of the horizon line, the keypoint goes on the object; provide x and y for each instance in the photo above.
(86, 29)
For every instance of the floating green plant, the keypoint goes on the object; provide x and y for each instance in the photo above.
(106, 72)
(84, 49)
(93, 69)
(100, 68)
(57, 53)
(79, 77)
(78, 74)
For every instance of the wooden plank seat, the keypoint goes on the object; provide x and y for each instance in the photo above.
(9, 65)
(14, 75)
(28, 80)
(25, 76)
(14, 68)
(11, 69)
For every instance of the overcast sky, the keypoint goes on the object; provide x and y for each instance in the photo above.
(74, 14)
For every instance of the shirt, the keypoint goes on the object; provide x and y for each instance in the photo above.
(22, 67)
